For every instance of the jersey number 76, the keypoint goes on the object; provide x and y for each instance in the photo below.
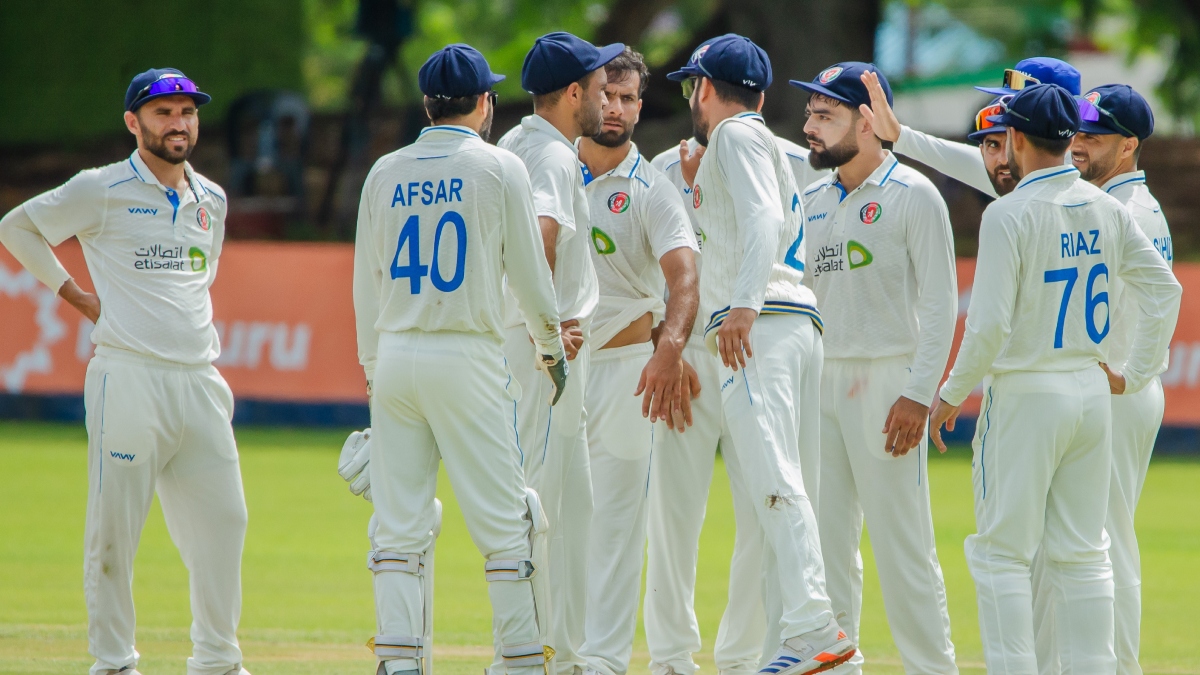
(1091, 300)
(414, 270)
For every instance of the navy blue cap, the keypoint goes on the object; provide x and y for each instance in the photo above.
(456, 70)
(1046, 70)
(977, 136)
(1125, 107)
(139, 92)
(1042, 110)
(729, 58)
(558, 59)
(841, 81)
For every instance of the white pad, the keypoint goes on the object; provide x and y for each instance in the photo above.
(418, 648)
(539, 653)
(353, 463)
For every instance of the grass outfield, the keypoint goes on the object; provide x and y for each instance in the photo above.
(307, 593)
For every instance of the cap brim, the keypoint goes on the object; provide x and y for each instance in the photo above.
(978, 136)
(1097, 128)
(607, 53)
(497, 79)
(198, 96)
(683, 73)
(997, 91)
(818, 89)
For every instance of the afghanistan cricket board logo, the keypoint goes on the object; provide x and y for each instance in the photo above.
(618, 202)
(829, 74)
(1092, 97)
(870, 213)
(697, 197)
(202, 218)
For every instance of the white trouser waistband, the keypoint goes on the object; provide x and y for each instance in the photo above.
(640, 349)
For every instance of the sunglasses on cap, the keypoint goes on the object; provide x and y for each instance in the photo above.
(1016, 80)
(1090, 112)
(981, 118)
(1003, 104)
(167, 84)
(689, 86)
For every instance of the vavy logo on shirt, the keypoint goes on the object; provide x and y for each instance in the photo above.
(139, 211)
(870, 213)
(618, 202)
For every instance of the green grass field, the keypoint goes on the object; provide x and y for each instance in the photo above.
(307, 593)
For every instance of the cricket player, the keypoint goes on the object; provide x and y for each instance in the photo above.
(158, 412)
(642, 246)
(960, 161)
(565, 75)
(679, 483)
(441, 224)
(1036, 336)
(1115, 122)
(881, 262)
(748, 206)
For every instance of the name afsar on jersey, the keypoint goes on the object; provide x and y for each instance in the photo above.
(407, 194)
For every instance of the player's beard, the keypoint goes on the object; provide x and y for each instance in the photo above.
(1004, 185)
(590, 118)
(699, 128)
(831, 157)
(485, 129)
(1096, 166)
(614, 139)
(1013, 167)
(157, 145)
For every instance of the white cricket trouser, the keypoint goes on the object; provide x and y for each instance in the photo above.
(155, 425)
(679, 481)
(553, 442)
(619, 452)
(771, 422)
(859, 478)
(1041, 473)
(1136, 419)
(446, 396)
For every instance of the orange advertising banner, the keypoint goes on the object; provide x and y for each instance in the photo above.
(286, 320)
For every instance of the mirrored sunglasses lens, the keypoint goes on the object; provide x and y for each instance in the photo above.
(981, 120)
(169, 85)
(1087, 111)
(689, 86)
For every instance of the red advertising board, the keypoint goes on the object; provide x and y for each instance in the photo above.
(286, 320)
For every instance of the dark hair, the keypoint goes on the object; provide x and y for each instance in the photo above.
(440, 108)
(1052, 146)
(836, 103)
(629, 63)
(548, 100)
(736, 93)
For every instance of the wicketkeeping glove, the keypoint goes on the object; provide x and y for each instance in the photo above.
(353, 464)
(557, 369)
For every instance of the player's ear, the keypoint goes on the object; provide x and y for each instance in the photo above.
(1129, 147)
(132, 123)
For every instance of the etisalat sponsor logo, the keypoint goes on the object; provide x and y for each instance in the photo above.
(171, 258)
(838, 257)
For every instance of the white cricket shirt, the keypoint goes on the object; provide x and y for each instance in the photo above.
(440, 223)
(152, 253)
(1130, 189)
(667, 161)
(749, 212)
(1040, 301)
(636, 218)
(881, 262)
(960, 161)
(557, 178)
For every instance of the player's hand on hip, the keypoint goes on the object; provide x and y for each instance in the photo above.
(88, 304)
(905, 426)
(733, 337)
(659, 384)
(946, 414)
(689, 162)
(572, 337)
(1116, 381)
(879, 114)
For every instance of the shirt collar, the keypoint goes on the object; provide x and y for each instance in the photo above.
(1050, 173)
(449, 130)
(750, 115)
(878, 177)
(539, 123)
(626, 169)
(147, 176)
(1132, 177)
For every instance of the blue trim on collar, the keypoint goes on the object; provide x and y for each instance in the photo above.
(173, 197)
(750, 115)
(587, 174)
(446, 127)
(135, 171)
(842, 190)
(802, 159)
(1138, 179)
(1049, 175)
(637, 162)
(671, 165)
(122, 181)
(895, 163)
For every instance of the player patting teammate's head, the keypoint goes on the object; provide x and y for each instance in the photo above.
(836, 130)
(1115, 121)
(565, 70)
(727, 72)
(627, 79)
(457, 83)
(1042, 121)
(160, 110)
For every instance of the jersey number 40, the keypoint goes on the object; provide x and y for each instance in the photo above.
(414, 270)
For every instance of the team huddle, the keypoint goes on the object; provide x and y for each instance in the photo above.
(535, 316)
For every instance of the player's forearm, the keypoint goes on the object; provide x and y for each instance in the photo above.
(683, 299)
(959, 161)
(931, 247)
(20, 236)
(759, 238)
(366, 284)
(549, 229)
(530, 279)
(933, 350)
(1158, 294)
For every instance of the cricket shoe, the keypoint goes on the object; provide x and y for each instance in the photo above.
(127, 670)
(813, 652)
